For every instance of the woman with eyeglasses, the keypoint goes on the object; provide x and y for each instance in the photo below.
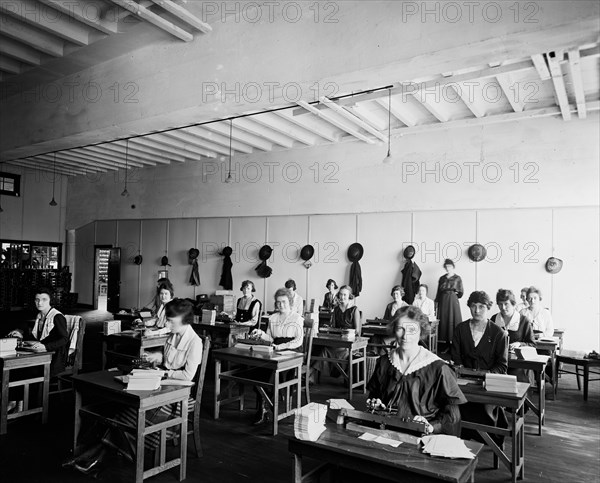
(413, 382)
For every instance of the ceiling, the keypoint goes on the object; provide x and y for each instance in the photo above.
(564, 84)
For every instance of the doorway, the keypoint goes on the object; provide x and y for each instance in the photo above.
(107, 278)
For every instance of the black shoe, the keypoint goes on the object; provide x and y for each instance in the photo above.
(92, 466)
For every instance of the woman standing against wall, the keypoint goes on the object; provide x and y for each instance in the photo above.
(450, 289)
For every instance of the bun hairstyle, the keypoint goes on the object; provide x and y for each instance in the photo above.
(291, 284)
(180, 308)
(331, 281)
(245, 283)
(449, 262)
(480, 297)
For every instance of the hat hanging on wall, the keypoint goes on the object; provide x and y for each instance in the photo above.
(306, 254)
(554, 265)
(477, 252)
(226, 280)
(193, 254)
(355, 253)
(409, 252)
(164, 261)
(263, 270)
(138, 259)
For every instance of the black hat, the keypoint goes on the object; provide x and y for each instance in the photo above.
(226, 252)
(193, 253)
(307, 252)
(554, 265)
(164, 261)
(138, 259)
(409, 252)
(265, 252)
(355, 252)
(477, 252)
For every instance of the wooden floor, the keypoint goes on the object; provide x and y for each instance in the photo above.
(236, 451)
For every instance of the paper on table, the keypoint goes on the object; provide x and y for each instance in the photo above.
(286, 353)
(176, 382)
(446, 446)
(339, 404)
(380, 439)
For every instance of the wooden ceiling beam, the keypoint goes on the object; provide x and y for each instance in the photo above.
(48, 20)
(10, 66)
(326, 131)
(184, 15)
(540, 65)
(19, 51)
(559, 84)
(242, 136)
(87, 13)
(574, 65)
(352, 118)
(199, 133)
(150, 17)
(38, 166)
(402, 116)
(187, 150)
(116, 157)
(511, 91)
(31, 36)
(118, 148)
(259, 130)
(62, 160)
(278, 124)
(87, 157)
(332, 120)
(165, 155)
(465, 92)
(199, 142)
(172, 153)
(432, 107)
(370, 117)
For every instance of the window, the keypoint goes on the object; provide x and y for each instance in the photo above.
(10, 184)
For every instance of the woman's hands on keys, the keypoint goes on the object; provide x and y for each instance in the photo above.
(375, 404)
(422, 419)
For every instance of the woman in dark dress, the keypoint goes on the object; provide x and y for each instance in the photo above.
(248, 306)
(413, 380)
(390, 309)
(330, 300)
(450, 289)
(481, 345)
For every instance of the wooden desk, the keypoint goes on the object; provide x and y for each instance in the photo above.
(240, 360)
(101, 386)
(538, 366)
(359, 344)
(222, 330)
(549, 348)
(576, 360)
(132, 344)
(476, 393)
(341, 447)
(22, 360)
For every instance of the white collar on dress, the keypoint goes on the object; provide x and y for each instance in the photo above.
(422, 359)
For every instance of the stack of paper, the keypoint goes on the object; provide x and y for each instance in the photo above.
(380, 439)
(310, 421)
(209, 316)
(501, 383)
(339, 404)
(446, 446)
(112, 327)
(144, 380)
(8, 346)
(526, 353)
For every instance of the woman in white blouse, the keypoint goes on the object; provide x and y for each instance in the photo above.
(537, 314)
(423, 302)
(297, 301)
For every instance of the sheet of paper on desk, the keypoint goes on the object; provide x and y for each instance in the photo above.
(176, 382)
(446, 446)
(380, 439)
(339, 404)
(286, 353)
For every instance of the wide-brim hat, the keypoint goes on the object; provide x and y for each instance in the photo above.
(138, 259)
(164, 261)
(226, 252)
(193, 253)
(355, 252)
(477, 252)
(409, 252)
(554, 265)
(265, 252)
(307, 252)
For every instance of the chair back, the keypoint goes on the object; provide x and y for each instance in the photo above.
(307, 341)
(201, 371)
(76, 331)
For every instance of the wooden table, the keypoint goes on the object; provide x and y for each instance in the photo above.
(538, 366)
(476, 393)
(341, 447)
(101, 386)
(133, 344)
(242, 359)
(22, 360)
(221, 330)
(359, 344)
(375, 328)
(577, 360)
(549, 348)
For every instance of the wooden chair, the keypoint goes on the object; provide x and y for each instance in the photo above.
(307, 350)
(194, 404)
(74, 360)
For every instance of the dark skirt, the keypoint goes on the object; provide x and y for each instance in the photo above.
(449, 315)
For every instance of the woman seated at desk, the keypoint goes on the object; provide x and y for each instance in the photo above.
(164, 294)
(413, 380)
(248, 306)
(537, 314)
(344, 316)
(424, 303)
(330, 300)
(286, 332)
(517, 326)
(298, 301)
(390, 310)
(180, 359)
(481, 345)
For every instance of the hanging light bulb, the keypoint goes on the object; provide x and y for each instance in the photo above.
(389, 159)
(125, 192)
(229, 178)
(53, 201)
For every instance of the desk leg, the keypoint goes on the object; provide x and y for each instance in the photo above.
(364, 370)
(554, 373)
(299, 386)
(183, 438)
(521, 474)
(297, 468)
(542, 400)
(4, 401)
(45, 393)
(350, 374)
(276, 403)
(139, 451)
(77, 423)
(217, 387)
(586, 380)
(515, 446)
(104, 349)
